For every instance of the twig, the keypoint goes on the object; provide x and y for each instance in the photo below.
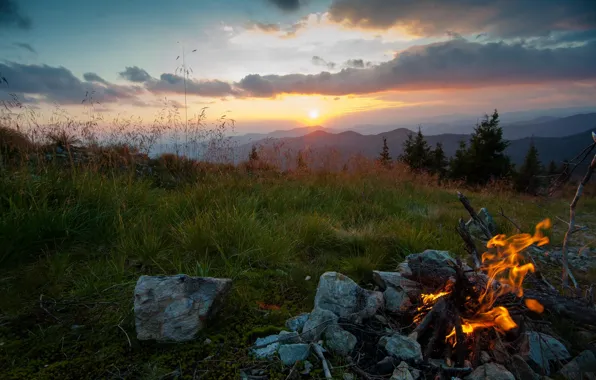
(463, 231)
(502, 213)
(468, 206)
(564, 176)
(319, 352)
(125, 333)
(580, 188)
(292, 371)
(46, 310)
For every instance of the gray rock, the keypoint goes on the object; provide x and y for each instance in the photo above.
(297, 323)
(348, 376)
(316, 324)
(581, 365)
(270, 345)
(175, 308)
(397, 281)
(339, 341)
(484, 357)
(490, 371)
(539, 350)
(341, 295)
(291, 353)
(287, 337)
(402, 372)
(396, 301)
(307, 368)
(520, 369)
(416, 373)
(431, 267)
(401, 347)
(404, 269)
(487, 219)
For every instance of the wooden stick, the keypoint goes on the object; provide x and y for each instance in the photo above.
(580, 188)
(463, 231)
(468, 206)
(461, 350)
(319, 353)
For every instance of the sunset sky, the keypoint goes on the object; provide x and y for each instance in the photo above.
(283, 63)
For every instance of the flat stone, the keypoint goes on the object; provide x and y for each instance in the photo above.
(580, 366)
(175, 308)
(316, 324)
(401, 347)
(431, 267)
(342, 296)
(402, 372)
(270, 343)
(339, 341)
(291, 353)
(297, 323)
(520, 369)
(539, 350)
(490, 371)
(396, 301)
(396, 280)
(287, 337)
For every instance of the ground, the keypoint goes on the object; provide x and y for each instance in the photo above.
(75, 242)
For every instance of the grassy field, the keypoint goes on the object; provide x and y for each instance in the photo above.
(74, 242)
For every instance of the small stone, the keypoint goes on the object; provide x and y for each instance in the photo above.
(580, 366)
(385, 366)
(484, 357)
(382, 320)
(316, 324)
(307, 368)
(404, 269)
(431, 266)
(297, 323)
(207, 341)
(340, 341)
(342, 296)
(396, 280)
(307, 278)
(349, 376)
(270, 344)
(287, 337)
(467, 364)
(520, 369)
(539, 350)
(416, 373)
(402, 372)
(401, 347)
(490, 371)
(291, 353)
(396, 301)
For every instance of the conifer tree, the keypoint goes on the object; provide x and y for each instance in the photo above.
(438, 161)
(552, 168)
(254, 155)
(484, 159)
(417, 153)
(384, 158)
(526, 179)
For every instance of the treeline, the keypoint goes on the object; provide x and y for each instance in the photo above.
(478, 161)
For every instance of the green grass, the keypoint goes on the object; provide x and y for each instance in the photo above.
(82, 239)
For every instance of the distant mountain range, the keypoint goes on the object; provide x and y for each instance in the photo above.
(555, 138)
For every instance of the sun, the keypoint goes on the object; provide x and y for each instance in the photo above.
(313, 114)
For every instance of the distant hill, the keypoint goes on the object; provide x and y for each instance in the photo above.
(348, 144)
(555, 127)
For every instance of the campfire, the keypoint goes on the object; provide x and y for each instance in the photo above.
(474, 309)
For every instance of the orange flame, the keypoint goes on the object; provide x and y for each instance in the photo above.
(506, 270)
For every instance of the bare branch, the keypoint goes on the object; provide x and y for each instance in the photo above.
(580, 188)
(474, 216)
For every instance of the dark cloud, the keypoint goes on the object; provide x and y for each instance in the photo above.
(58, 84)
(355, 63)
(172, 83)
(25, 47)
(92, 77)
(455, 63)
(11, 15)
(318, 61)
(503, 18)
(135, 74)
(286, 5)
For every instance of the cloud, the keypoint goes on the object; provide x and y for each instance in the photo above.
(502, 18)
(287, 31)
(135, 74)
(174, 84)
(318, 61)
(355, 63)
(25, 46)
(456, 63)
(92, 77)
(267, 28)
(11, 15)
(286, 5)
(58, 84)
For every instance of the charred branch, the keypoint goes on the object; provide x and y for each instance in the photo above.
(483, 227)
(576, 309)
